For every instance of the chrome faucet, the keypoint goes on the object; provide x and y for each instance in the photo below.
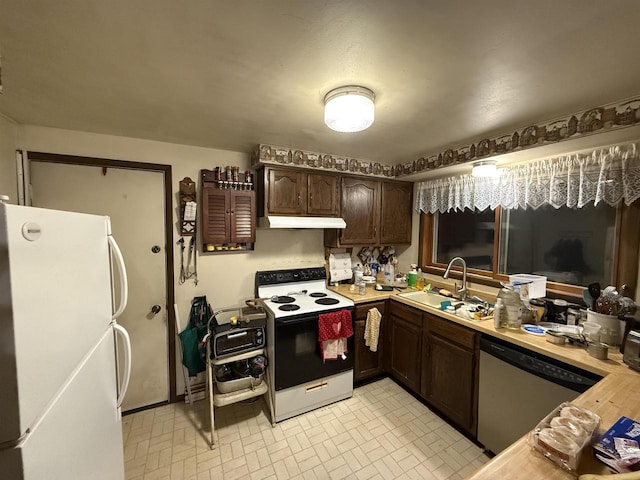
(463, 291)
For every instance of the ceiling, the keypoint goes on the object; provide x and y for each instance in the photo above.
(232, 74)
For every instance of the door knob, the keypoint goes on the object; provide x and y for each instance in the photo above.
(156, 309)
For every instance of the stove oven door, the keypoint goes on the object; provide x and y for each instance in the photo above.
(297, 353)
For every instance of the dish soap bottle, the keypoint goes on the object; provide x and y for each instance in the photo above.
(497, 314)
(412, 276)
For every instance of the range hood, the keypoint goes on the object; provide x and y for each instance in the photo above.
(273, 221)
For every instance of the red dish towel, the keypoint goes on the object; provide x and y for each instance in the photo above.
(333, 330)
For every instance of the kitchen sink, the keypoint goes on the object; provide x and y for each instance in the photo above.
(427, 298)
(433, 300)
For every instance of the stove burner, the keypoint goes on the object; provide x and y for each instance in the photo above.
(289, 307)
(327, 301)
(282, 299)
(318, 294)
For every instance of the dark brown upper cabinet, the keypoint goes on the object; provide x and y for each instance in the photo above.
(360, 209)
(396, 217)
(323, 195)
(376, 212)
(298, 193)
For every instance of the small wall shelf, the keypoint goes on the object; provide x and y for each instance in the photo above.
(228, 214)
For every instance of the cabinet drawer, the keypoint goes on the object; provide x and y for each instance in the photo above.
(411, 315)
(303, 398)
(451, 331)
(363, 309)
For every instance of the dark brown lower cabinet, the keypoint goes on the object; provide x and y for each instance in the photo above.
(405, 344)
(369, 364)
(450, 370)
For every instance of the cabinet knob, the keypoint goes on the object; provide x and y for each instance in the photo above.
(156, 309)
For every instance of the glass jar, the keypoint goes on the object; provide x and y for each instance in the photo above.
(512, 309)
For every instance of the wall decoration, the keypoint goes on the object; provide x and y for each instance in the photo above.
(274, 155)
(592, 121)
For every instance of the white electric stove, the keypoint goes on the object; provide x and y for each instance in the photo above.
(300, 380)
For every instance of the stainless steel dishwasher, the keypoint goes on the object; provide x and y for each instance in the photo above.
(518, 388)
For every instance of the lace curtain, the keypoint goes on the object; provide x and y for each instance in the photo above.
(604, 175)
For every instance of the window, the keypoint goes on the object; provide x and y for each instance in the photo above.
(468, 234)
(571, 247)
(561, 233)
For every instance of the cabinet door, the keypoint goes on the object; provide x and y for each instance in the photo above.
(287, 192)
(323, 195)
(397, 211)
(367, 363)
(449, 380)
(215, 215)
(242, 217)
(360, 208)
(404, 361)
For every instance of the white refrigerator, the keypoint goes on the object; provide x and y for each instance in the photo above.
(60, 392)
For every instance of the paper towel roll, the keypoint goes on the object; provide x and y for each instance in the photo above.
(340, 266)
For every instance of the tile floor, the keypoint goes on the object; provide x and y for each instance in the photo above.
(382, 432)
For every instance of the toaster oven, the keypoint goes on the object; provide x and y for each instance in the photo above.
(227, 340)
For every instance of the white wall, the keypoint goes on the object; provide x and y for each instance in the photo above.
(225, 278)
(8, 141)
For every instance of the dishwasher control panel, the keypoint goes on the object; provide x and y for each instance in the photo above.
(546, 367)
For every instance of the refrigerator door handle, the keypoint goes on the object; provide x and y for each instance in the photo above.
(120, 330)
(124, 287)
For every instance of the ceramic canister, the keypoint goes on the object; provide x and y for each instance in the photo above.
(609, 323)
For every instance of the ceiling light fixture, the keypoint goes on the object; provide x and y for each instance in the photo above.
(349, 109)
(485, 168)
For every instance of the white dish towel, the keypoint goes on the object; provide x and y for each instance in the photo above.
(372, 329)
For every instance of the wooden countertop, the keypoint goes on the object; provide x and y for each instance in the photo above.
(614, 396)
(569, 354)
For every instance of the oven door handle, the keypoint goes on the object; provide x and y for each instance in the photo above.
(291, 321)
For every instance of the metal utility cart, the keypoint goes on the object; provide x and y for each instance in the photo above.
(255, 389)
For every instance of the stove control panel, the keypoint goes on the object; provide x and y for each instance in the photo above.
(276, 277)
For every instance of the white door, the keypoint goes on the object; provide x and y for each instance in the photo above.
(134, 200)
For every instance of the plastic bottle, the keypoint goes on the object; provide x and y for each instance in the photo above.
(412, 276)
(497, 314)
(388, 274)
(420, 281)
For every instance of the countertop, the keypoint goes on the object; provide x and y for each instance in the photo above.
(614, 396)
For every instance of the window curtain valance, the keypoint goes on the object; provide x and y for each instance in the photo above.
(608, 174)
